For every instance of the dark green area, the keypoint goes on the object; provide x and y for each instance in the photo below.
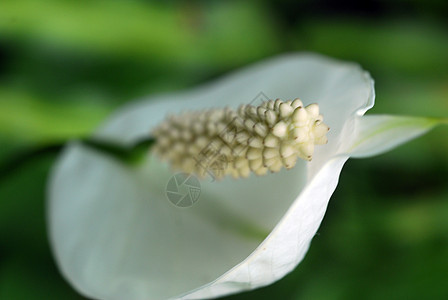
(66, 65)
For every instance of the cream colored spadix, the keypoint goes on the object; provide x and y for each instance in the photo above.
(257, 139)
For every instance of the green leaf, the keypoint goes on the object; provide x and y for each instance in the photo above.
(25, 117)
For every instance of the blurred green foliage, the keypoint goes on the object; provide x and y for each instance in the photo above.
(66, 65)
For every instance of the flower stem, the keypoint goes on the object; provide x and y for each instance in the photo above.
(130, 155)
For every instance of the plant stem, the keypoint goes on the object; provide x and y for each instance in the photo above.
(128, 154)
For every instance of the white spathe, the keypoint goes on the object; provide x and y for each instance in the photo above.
(116, 236)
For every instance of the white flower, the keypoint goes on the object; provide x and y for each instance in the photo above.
(115, 235)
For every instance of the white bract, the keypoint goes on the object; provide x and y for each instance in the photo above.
(116, 236)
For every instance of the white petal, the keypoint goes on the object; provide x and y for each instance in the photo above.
(287, 244)
(377, 134)
(115, 235)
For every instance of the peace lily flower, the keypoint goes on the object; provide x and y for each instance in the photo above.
(115, 235)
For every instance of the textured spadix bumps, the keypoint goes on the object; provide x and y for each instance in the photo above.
(253, 138)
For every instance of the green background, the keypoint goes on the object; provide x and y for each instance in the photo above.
(66, 65)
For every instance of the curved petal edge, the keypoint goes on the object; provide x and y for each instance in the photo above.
(377, 134)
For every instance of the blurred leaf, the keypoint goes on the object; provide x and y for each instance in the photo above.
(421, 97)
(407, 46)
(212, 34)
(24, 117)
(27, 269)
